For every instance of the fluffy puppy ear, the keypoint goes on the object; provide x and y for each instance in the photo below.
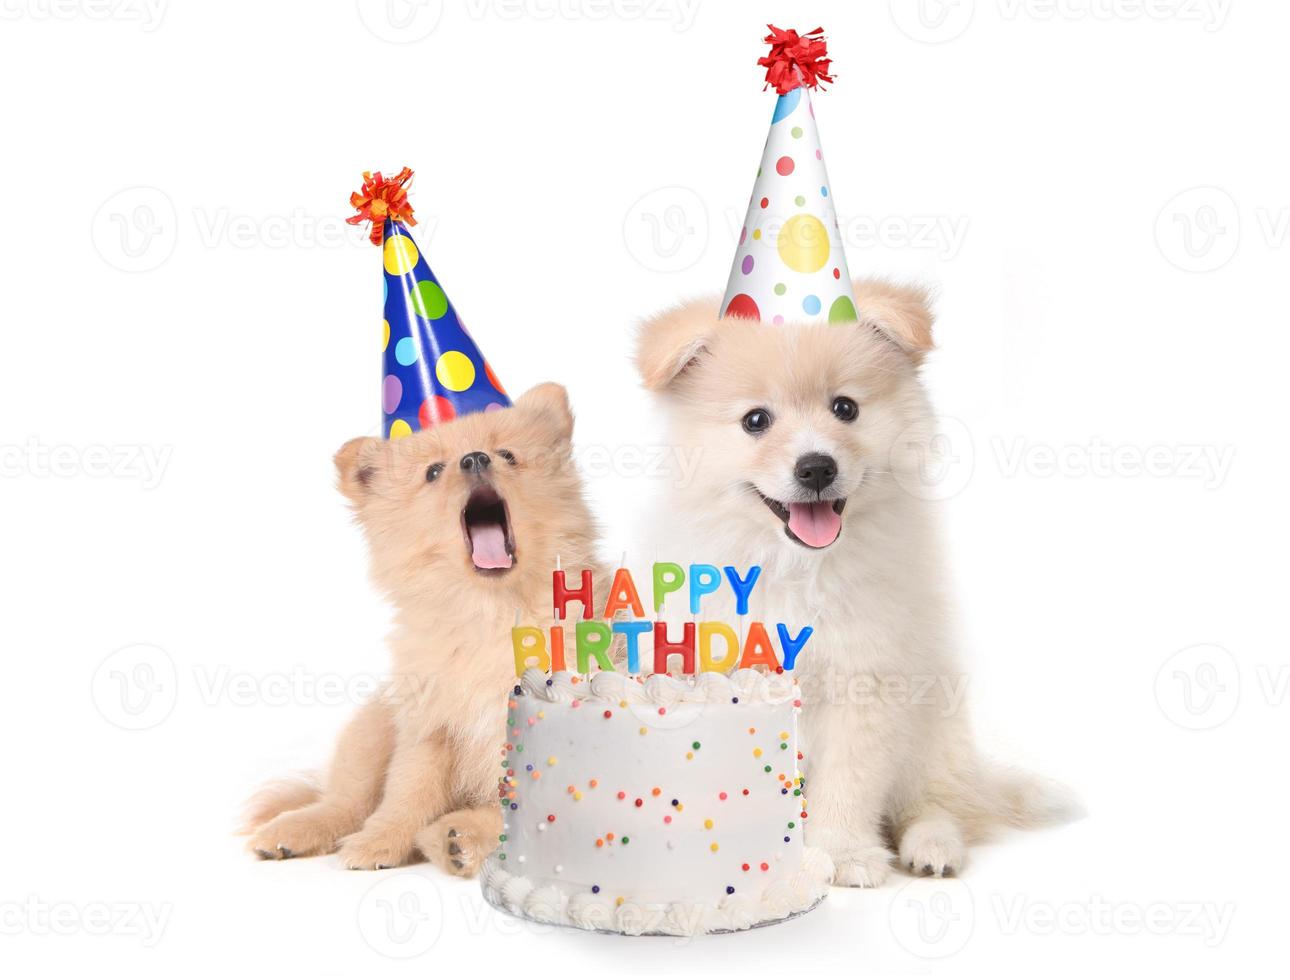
(900, 313)
(670, 342)
(548, 404)
(357, 466)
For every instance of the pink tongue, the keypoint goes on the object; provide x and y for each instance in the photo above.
(488, 546)
(815, 524)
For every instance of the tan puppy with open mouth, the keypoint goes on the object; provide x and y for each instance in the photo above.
(809, 442)
(463, 521)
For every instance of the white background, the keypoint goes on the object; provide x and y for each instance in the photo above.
(1096, 188)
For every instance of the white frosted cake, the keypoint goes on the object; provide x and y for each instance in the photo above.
(654, 805)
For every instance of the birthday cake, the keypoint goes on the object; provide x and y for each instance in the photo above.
(653, 804)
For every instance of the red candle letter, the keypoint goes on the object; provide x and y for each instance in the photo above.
(561, 593)
(663, 647)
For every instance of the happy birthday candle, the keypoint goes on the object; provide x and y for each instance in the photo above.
(697, 645)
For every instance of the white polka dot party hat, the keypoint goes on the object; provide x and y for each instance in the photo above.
(433, 369)
(790, 265)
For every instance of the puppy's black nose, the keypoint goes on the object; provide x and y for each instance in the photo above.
(815, 471)
(475, 462)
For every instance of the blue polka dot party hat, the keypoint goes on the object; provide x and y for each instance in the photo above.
(790, 264)
(434, 371)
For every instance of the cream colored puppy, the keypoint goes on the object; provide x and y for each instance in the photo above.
(809, 440)
(463, 522)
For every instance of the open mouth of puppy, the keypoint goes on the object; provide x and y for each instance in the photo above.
(812, 524)
(486, 525)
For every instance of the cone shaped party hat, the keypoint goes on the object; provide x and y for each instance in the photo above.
(790, 265)
(433, 369)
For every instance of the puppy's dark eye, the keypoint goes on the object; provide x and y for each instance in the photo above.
(433, 472)
(507, 455)
(757, 421)
(845, 409)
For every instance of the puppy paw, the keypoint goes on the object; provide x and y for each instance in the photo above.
(932, 847)
(297, 833)
(458, 842)
(373, 848)
(866, 867)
